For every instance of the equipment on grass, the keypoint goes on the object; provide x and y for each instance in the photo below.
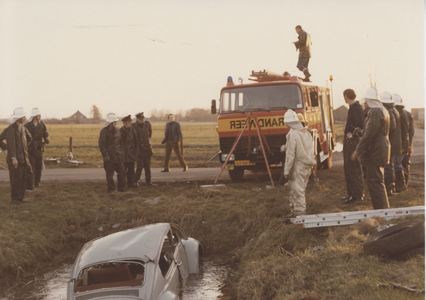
(352, 217)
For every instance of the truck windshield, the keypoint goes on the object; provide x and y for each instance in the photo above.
(267, 97)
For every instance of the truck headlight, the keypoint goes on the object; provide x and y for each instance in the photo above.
(225, 156)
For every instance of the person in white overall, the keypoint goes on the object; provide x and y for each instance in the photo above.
(299, 160)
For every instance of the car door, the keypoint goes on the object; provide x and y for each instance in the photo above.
(180, 255)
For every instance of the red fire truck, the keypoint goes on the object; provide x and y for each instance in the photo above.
(267, 99)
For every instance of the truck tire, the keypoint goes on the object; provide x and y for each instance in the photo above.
(237, 175)
(396, 239)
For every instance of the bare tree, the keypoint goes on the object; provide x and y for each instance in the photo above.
(96, 114)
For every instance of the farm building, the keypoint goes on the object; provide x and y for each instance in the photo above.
(79, 118)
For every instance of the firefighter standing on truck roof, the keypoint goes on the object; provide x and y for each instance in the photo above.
(352, 168)
(299, 160)
(304, 46)
(374, 148)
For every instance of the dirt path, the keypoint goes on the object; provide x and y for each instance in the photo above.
(176, 174)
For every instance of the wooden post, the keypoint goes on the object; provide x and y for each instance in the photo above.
(71, 145)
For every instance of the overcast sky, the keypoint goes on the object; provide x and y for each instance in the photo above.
(130, 56)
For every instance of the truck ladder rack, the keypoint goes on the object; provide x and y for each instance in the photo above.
(352, 217)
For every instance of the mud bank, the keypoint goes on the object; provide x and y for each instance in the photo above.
(241, 222)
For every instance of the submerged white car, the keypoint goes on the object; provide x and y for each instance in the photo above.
(147, 262)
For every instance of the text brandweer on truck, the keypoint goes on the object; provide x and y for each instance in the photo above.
(268, 98)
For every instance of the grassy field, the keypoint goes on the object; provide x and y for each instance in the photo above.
(241, 222)
(200, 141)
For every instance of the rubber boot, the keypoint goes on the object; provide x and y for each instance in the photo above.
(399, 181)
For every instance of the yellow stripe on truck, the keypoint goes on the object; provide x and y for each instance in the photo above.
(238, 124)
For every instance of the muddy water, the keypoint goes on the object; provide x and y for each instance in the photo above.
(53, 284)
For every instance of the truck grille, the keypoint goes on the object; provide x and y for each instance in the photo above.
(274, 142)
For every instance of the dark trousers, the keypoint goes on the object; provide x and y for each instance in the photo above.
(110, 167)
(171, 145)
(143, 163)
(376, 186)
(34, 173)
(406, 163)
(129, 169)
(303, 63)
(353, 170)
(18, 179)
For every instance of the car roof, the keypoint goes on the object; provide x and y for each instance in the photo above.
(140, 242)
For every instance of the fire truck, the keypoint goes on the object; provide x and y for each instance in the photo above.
(267, 99)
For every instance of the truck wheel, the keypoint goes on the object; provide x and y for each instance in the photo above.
(236, 175)
(396, 239)
(326, 164)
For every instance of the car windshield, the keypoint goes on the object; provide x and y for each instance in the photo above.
(258, 98)
(110, 275)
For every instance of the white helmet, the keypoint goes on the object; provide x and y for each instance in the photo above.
(397, 99)
(18, 113)
(290, 116)
(110, 119)
(386, 97)
(35, 112)
(371, 93)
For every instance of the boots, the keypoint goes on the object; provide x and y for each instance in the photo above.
(400, 181)
(307, 75)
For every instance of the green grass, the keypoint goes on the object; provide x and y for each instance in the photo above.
(200, 141)
(272, 260)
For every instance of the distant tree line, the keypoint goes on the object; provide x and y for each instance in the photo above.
(194, 114)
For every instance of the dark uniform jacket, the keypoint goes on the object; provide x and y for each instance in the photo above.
(304, 44)
(355, 117)
(172, 132)
(3, 137)
(17, 144)
(405, 126)
(374, 146)
(129, 143)
(394, 130)
(110, 144)
(39, 133)
(144, 133)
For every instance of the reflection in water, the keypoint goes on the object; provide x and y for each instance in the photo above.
(53, 285)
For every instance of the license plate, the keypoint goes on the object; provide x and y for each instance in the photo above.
(244, 163)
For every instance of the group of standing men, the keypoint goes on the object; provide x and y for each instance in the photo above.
(377, 146)
(25, 146)
(122, 148)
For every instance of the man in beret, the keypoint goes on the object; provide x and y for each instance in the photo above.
(144, 132)
(172, 137)
(129, 143)
(36, 148)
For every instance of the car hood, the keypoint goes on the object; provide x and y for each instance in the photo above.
(141, 242)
